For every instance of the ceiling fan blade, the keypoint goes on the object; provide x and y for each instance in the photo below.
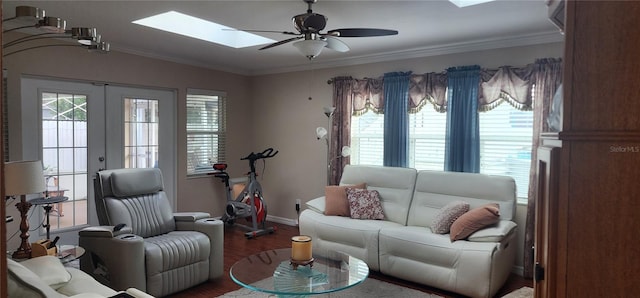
(361, 32)
(336, 44)
(264, 31)
(280, 43)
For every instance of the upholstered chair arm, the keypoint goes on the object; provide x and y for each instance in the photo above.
(108, 251)
(214, 229)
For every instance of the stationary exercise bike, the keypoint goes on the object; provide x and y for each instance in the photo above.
(249, 203)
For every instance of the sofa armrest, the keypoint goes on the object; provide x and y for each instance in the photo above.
(135, 293)
(316, 204)
(104, 231)
(190, 216)
(494, 233)
(117, 261)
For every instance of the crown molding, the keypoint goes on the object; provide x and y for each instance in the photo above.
(453, 48)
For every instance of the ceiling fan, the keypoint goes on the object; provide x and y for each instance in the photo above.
(312, 40)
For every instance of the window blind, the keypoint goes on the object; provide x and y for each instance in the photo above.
(206, 130)
(427, 130)
(367, 136)
(505, 144)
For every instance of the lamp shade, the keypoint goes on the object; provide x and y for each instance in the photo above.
(321, 132)
(23, 177)
(328, 111)
(310, 48)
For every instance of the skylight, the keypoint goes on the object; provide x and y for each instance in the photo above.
(465, 3)
(190, 26)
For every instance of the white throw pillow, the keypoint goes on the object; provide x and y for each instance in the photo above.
(49, 269)
(22, 282)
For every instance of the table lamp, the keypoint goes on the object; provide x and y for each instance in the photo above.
(23, 178)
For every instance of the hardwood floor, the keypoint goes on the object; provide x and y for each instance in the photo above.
(236, 247)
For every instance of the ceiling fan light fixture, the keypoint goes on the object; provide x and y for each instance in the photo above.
(29, 13)
(310, 48)
(52, 25)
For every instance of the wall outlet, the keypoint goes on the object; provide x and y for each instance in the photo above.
(298, 205)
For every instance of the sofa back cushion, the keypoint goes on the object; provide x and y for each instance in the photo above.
(435, 189)
(395, 186)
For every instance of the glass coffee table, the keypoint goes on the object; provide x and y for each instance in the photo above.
(271, 272)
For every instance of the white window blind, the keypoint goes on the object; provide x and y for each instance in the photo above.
(367, 135)
(505, 144)
(427, 130)
(206, 130)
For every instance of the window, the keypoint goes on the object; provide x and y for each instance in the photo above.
(367, 136)
(505, 144)
(427, 130)
(206, 130)
(141, 147)
(64, 155)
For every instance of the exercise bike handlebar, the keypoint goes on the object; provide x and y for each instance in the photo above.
(267, 153)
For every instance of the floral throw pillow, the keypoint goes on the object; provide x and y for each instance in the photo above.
(364, 204)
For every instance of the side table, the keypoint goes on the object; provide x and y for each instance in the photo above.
(70, 253)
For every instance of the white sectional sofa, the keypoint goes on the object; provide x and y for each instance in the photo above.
(403, 245)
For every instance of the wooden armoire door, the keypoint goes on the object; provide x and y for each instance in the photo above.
(596, 242)
(548, 168)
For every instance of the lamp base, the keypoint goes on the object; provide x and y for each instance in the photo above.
(296, 263)
(24, 251)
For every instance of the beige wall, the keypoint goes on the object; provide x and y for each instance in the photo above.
(287, 119)
(203, 194)
(263, 111)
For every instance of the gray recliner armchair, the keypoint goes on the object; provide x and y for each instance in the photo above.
(156, 251)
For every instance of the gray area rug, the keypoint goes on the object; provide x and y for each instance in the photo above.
(369, 288)
(524, 292)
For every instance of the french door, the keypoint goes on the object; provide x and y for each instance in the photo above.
(82, 128)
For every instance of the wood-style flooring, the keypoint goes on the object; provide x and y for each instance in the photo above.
(236, 247)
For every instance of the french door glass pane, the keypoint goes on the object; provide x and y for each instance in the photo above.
(141, 133)
(64, 156)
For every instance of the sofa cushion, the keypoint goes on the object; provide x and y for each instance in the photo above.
(82, 282)
(22, 282)
(336, 202)
(395, 185)
(317, 204)
(448, 214)
(475, 220)
(49, 269)
(364, 204)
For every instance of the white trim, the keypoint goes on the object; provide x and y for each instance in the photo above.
(282, 220)
(461, 47)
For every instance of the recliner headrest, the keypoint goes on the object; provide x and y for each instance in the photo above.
(132, 182)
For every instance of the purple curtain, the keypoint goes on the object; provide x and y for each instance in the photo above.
(428, 88)
(506, 83)
(547, 76)
(343, 95)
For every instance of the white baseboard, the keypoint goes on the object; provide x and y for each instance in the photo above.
(282, 220)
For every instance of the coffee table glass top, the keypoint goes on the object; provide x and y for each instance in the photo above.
(271, 272)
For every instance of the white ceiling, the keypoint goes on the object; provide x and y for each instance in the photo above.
(427, 27)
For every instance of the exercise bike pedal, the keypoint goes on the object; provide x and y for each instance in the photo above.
(255, 234)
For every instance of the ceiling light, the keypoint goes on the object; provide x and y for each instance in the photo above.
(52, 25)
(465, 3)
(310, 48)
(190, 26)
(50, 28)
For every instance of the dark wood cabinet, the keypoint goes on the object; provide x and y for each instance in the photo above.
(587, 227)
